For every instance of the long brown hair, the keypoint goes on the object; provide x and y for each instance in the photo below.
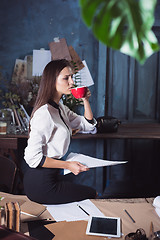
(48, 80)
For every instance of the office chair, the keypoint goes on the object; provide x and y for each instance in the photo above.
(8, 175)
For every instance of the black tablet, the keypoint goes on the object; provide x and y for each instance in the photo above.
(104, 226)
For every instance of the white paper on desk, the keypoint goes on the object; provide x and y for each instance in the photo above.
(156, 202)
(90, 162)
(157, 211)
(71, 212)
(40, 59)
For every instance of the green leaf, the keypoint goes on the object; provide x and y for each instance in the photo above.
(89, 8)
(124, 25)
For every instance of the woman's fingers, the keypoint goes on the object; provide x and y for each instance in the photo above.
(77, 167)
(83, 167)
(88, 94)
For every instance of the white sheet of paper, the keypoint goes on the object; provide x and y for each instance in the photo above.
(156, 202)
(90, 162)
(85, 76)
(40, 60)
(71, 211)
(157, 211)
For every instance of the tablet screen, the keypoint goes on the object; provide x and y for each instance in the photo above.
(104, 226)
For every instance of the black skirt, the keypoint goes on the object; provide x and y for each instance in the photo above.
(48, 186)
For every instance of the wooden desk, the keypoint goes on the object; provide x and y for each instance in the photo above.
(128, 131)
(9, 143)
(17, 143)
(12, 142)
(125, 130)
(140, 209)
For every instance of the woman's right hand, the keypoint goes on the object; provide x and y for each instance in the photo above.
(76, 167)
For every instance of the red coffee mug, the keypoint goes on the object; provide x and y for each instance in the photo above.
(79, 92)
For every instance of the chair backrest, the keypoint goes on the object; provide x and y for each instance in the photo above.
(8, 170)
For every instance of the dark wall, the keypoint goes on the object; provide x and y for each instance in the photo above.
(133, 96)
(26, 25)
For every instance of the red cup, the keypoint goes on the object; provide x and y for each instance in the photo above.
(79, 92)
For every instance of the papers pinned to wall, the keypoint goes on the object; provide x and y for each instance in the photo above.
(20, 71)
(40, 59)
(59, 49)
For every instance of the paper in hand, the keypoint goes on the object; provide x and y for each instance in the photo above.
(90, 162)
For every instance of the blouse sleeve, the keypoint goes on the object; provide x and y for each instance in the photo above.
(79, 122)
(41, 129)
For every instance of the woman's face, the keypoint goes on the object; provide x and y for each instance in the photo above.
(64, 81)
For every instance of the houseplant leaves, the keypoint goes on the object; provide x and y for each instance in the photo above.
(124, 25)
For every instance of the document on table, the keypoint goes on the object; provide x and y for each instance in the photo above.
(90, 162)
(73, 211)
(157, 211)
(156, 204)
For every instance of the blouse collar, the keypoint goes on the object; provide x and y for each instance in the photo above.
(53, 104)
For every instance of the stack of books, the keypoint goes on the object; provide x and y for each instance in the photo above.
(10, 216)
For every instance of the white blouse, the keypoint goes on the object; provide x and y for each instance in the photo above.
(49, 135)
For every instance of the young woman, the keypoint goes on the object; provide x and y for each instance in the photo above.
(51, 127)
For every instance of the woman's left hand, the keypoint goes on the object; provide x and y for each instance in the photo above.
(87, 96)
(87, 108)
